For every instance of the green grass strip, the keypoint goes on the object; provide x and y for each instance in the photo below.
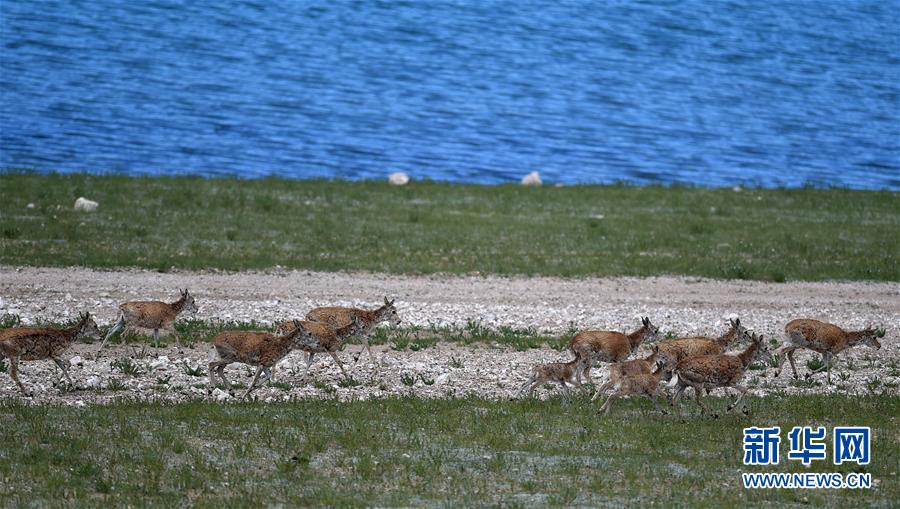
(194, 223)
(415, 452)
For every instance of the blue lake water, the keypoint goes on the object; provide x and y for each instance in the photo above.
(768, 93)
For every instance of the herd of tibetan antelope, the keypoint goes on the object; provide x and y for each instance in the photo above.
(698, 362)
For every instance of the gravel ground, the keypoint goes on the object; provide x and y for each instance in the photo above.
(685, 306)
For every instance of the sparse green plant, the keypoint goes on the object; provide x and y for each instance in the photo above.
(324, 387)
(455, 363)
(193, 370)
(805, 383)
(127, 366)
(281, 385)
(116, 385)
(815, 364)
(10, 320)
(408, 379)
(425, 380)
(163, 380)
(401, 341)
(873, 384)
(349, 382)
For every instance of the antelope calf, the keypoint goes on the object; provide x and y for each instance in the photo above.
(645, 383)
(722, 370)
(330, 340)
(620, 370)
(38, 343)
(673, 351)
(261, 349)
(561, 372)
(151, 314)
(825, 338)
(337, 317)
(608, 346)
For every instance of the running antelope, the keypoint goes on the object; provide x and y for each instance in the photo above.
(722, 370)
(337, 317)
(640, 383)
(330, 340)
(39, 343)
(261, 349)
(151, 314)
(620, 370)
(561, 372)
(673, 351)
(608, 346)
(825, 338)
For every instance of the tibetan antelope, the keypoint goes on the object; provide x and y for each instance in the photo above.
(326, 339)
(608, 346)
(152, 314)
(673, 351)
(561, 372)
(620, 370)
(722, 370)
(261, 349)
(38, 343)
(640, 383)
(825, 338)
(337, 317)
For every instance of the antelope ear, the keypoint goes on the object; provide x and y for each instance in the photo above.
(645, 320)
(736, 322)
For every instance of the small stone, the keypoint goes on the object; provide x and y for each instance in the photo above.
(532, 179)
(398, 179)
(79, 403)
(220, 395)
(85, 205)
(76, 361)
(29, 206)
(93, 382)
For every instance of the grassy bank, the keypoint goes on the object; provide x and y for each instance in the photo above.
(413, 452)
(193, 223)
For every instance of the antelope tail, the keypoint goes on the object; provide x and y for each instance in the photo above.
(674, 381)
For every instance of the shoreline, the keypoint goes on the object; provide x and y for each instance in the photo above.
(734, 186)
